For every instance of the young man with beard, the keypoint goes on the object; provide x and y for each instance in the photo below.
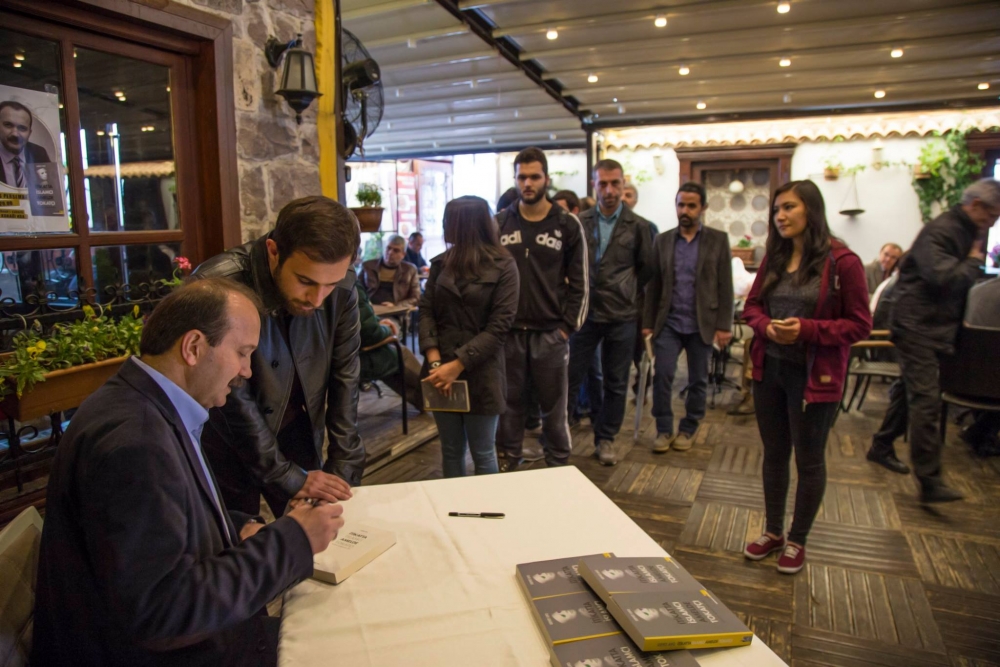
(551, 253)
(268, 437)
(689, 306)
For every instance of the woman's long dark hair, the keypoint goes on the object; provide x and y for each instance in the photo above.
(471, 231)
(816, 239)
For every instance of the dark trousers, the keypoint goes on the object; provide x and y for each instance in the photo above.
(668, 346)
(616, 340)
(894, 423)
(786, 424)
(590, 398)
(542, 356)
(920, 370)
(241, 491)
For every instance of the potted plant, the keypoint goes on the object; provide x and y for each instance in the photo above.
(946, 167)
(370, 212)
(47, 375)
(832, 167)
(744, 250)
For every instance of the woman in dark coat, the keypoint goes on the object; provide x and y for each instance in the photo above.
(466, 310)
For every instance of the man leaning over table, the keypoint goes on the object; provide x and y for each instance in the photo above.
(268, 437)
(140, 561)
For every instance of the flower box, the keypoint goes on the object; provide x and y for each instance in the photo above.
(62, 389)
(745, 254)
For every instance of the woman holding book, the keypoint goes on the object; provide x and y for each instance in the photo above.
(467, 308)
(807, 306)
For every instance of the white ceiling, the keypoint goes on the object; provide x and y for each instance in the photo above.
(448, 89)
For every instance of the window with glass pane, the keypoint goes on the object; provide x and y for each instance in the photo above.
(127, 143)
(30, 277)
(133, 265)
(32, 132)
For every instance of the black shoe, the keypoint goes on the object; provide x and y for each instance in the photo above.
(508, 464)
(888, 461)
(934, 491)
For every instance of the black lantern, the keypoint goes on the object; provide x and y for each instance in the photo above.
(298, 77)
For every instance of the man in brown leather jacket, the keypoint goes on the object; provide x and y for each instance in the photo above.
(304, 384)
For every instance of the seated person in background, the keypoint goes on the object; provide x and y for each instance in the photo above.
(413, 256)
(390, 280)
(382, 362)
(881, 268)
(140, 561)
(983, 310)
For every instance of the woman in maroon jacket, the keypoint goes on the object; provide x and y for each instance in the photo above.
(808, 304)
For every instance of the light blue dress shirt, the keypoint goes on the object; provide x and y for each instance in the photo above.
(605, 228)
(194, 416)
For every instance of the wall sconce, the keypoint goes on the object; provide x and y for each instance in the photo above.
(298, 78)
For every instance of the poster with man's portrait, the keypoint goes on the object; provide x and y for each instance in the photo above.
(32, 197)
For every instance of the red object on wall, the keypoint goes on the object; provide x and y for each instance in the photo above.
(406, 202)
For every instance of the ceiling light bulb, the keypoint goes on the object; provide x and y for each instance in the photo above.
(17, 64)
(552, 34)
(984, 86)
(614, 99)
(785, 62)
(621, 108)
(701, 105)
(552, 137)
(592, 78)
(121, 99)
(100, 133)
(879, 94)
(661, 21)
(896, 53)
(784, 7)
(18, 56)
(684, 70)
(787, 98)
(118, 93)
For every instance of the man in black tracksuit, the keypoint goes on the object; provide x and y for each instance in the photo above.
(551, 253)
(620, 262)
(934, 280)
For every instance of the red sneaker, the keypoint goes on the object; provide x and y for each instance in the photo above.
(792, 559)
(763, 546)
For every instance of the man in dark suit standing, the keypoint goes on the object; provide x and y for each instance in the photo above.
(689, 306)
(16, 152)
(140, 562)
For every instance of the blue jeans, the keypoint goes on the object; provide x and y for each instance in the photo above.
(479, 431)
(591, 392)
(668, 346)
(617, 339)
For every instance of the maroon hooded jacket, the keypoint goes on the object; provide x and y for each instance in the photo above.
(842, 318)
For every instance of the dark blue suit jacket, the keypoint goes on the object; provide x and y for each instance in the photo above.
(135, 565)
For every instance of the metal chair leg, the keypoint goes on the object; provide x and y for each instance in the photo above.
(402, 383)
(864, 392)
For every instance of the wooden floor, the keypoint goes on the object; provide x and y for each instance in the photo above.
(887, 582)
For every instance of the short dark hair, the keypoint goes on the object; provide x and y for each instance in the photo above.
(609, 165)
(416, 235)
(569, 197)
(17, 106)
(506, 199)
(696, 188)
(198, 304)
(323, 229)
(532, 154)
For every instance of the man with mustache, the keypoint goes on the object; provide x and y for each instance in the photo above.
(689, 306)
(16, 152)
(548, 244)
(141, 562)
(268, 437)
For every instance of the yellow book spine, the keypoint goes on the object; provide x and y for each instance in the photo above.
(722, 640)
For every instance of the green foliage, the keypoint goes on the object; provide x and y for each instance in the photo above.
(745, 242)
(636, 176)
(373, 247)
(833, 162)
(555, 178)
(947, 167)
(95, 338)
(369, 194)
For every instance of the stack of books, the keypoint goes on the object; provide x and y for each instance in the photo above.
(605, 610)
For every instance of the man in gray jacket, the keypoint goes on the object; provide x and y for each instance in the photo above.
(268, 438)
(689, 306)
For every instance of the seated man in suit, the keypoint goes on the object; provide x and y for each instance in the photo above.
(140, 562)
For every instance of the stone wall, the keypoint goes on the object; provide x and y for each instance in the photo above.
(278, 160)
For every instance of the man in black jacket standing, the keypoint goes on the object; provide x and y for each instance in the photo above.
(305, 372)
(620, 259)
(934, 280)
(689, 306)
(550, 250)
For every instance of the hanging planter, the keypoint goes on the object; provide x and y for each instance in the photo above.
(831, 173)
(369, 214)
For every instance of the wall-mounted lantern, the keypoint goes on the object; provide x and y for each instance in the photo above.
(298, 77)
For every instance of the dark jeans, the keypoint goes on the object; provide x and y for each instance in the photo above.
(894, 423)
(786, 423)
(920, 369)
(668, 346)
(457, 430)
(590, 398)
(543, 357)
(616, 340)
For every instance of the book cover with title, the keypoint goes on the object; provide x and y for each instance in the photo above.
(609, 575)
(692, 618)
(546, 578)
(570, 618)
(615, 651)
(356, 546)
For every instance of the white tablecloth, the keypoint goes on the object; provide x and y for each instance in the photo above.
(446, 593)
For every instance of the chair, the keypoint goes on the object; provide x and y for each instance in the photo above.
(19, 543)
(864, 365)
(968, 379)
(392, 340)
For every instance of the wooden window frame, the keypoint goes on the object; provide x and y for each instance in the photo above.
(197, 47)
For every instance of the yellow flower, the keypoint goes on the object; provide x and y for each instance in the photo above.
(135, 311)
(40, 345)
(33, 351)
(88, 311)
(94, 329)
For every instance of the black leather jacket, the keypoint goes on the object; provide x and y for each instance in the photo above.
(626, 267)
(324, 349)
